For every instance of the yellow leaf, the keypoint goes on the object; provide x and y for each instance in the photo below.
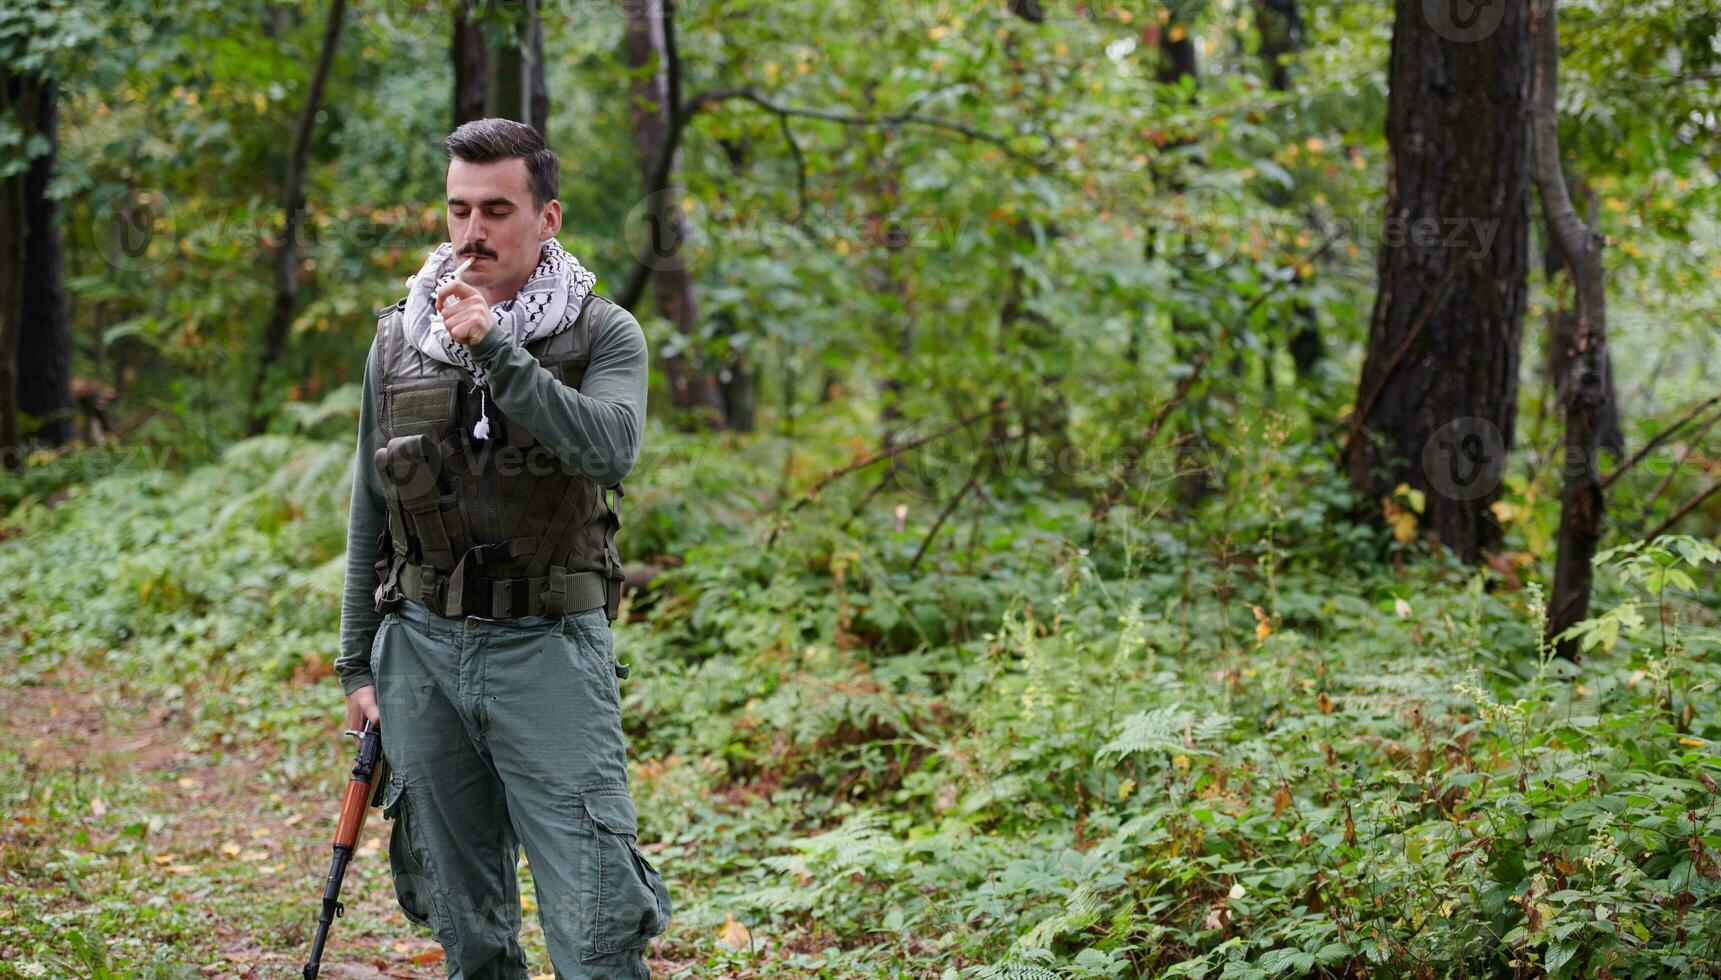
(733, 934)
(1177, 33)
(1125, 788)
(1315, 144)
(231, 849)
(165, 857)
(1403, 522)
(1692, 743)
(1181, 762)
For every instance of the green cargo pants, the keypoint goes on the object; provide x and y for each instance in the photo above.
(502, 733)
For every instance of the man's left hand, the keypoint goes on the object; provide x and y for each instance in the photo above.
(464, 311)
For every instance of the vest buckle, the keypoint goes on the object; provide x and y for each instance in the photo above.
(387, 596)
(427, 586)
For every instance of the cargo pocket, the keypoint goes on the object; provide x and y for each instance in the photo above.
(405, 859)
(627, 903)
(376, 644)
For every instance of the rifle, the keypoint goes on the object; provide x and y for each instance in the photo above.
(364, 790)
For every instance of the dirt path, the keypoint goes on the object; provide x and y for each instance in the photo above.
(209, 827)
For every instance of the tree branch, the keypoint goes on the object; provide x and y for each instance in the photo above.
(943, 515)
(998, 405)
(1660, 437)
(713, 97)
(1683, 509)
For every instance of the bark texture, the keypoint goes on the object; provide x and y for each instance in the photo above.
(1439, 387)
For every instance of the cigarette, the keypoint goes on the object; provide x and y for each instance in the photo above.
(462, 268)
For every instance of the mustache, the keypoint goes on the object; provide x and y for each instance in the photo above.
(478, 250)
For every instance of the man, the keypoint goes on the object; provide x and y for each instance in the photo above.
(482, 575)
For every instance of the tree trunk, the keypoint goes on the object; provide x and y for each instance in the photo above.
(505, 81)
(44, 338)
(1555, 262)
(1177, 62)
(293, 204)
(18, 91)
(1583, 378)
(1280, 25)
(1439, 386)
(691, 391)
(471, 57)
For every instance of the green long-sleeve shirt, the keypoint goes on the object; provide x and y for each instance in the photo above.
(597, 429)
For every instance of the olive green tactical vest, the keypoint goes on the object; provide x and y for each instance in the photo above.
(498, 527)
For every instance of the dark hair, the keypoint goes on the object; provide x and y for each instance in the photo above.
(484, 140)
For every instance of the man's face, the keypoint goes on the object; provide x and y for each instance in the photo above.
(491, 220)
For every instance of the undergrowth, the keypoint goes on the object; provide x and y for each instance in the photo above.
(1261, 742)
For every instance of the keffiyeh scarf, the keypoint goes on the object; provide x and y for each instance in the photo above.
(546, 305)
(557, 288)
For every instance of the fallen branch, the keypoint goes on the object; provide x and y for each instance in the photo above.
(1660, 437)
(1684, 454)
(1685, 508)
(895, 449)
(943, 515)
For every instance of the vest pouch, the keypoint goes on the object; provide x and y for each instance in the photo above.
(419, 409)
(569, 371)
(411, 469)
(412, 466)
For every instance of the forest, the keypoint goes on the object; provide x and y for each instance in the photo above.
(1153, 488)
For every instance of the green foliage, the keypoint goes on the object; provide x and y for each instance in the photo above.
(1229, 734)
(1161, 752)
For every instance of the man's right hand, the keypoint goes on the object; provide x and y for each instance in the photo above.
(361, 707)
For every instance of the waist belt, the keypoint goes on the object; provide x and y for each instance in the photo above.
(468, 594)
